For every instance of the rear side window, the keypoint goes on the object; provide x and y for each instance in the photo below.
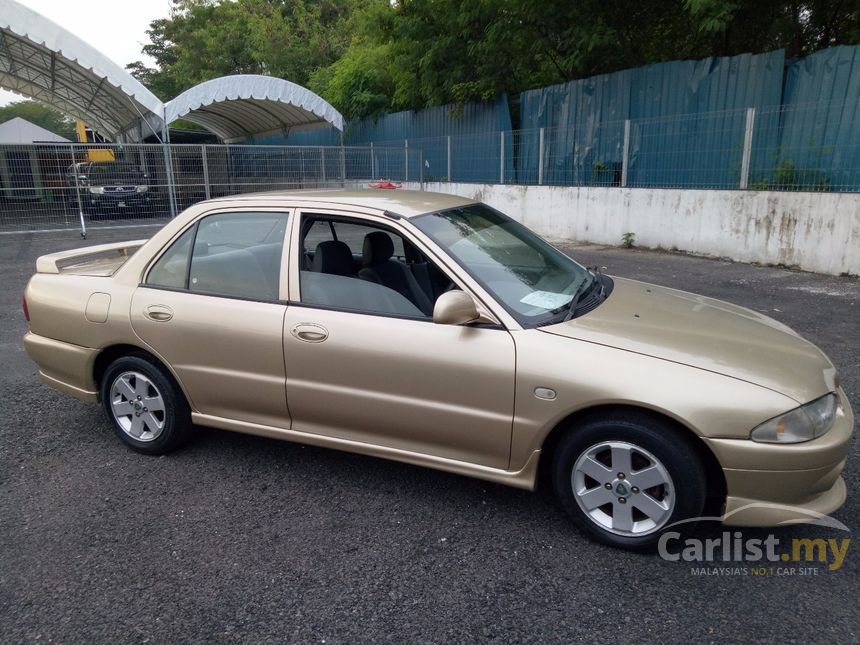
(233, 254)
(171, 270)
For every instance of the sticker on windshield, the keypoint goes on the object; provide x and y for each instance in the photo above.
(546, 299)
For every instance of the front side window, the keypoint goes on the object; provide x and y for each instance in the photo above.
(535, 282)
(358, 266)
(231, 254)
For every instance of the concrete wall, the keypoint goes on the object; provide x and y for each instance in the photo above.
(814, 231)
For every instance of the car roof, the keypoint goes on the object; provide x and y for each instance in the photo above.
(406, 203)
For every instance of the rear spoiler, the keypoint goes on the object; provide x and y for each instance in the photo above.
(101, 260)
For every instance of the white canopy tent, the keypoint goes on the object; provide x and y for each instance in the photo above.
(43, 61)
(244, 105)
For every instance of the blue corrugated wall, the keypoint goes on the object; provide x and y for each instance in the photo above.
(816, 131)
(585, 118)
(469, 127)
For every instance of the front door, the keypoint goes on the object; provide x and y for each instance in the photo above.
(366, 363)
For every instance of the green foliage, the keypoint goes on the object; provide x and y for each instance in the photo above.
(372, 56)
(628, 240)
(204, 39)
(604, 174)
(787, 176)
(735, 26)
(41, 115)
(358, 83)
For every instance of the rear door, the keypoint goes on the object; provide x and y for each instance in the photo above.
(212, 306)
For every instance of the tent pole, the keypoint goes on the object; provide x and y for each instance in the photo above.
(168, 167)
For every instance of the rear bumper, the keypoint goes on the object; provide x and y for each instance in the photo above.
(63, 366)
(771, 484)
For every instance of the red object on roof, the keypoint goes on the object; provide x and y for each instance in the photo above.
(385, 184)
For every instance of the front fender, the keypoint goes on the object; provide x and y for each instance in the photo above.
(586, 375)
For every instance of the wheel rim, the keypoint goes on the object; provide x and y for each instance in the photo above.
(137, 406)
(623, 488)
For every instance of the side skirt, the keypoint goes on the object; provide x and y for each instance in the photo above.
(524, 478)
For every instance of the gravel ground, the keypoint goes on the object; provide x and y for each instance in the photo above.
(244, 538)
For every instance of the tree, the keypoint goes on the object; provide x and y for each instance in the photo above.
(372, 56)
(204, 39)
(734, 26)
(41, 115)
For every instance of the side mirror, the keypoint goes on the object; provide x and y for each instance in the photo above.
(455, 308)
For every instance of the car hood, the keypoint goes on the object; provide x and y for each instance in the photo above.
(705, 333)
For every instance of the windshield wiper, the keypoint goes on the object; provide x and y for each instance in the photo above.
(580, 291)
(596, 277)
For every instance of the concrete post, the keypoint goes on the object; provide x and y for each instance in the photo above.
(450, 178)
(540, 157)
(747, 153)
(502, 157)
(625, 159)
(205, 158)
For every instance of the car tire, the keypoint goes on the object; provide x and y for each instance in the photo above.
(605, 501)
(145, 406)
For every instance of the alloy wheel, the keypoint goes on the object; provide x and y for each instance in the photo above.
(137, 406)
(623, 488)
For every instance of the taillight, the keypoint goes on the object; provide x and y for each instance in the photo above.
(26, 309)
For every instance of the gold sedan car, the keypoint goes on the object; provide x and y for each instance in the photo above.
(434, 330)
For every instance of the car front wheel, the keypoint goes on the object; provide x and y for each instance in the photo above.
(625, 480)
(145, 406)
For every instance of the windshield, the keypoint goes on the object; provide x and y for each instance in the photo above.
(534, 281)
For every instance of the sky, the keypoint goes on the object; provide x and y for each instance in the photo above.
(117, 28)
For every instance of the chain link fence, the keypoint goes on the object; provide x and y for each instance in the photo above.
(56, 186)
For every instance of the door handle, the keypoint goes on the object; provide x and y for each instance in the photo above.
(309, 332)
(158, 313)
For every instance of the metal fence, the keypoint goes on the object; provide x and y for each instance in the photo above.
(50, 186)
(812, 147)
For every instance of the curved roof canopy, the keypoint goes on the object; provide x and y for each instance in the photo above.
(42, 60)
(234, 107)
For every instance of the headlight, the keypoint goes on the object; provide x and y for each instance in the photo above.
(801, 424)
(142, 189)
(97, 190)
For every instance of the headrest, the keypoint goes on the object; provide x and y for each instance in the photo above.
(334, 257)
(378, 247)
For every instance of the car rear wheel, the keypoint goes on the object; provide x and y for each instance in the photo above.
(145, 406)
(625, 480)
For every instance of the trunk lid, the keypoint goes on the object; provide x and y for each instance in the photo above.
(101, 260)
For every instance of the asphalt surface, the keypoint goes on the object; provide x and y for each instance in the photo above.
(238, 538)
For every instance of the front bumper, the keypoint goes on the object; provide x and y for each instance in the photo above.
(769, 484)
(119, 201)
(63, 366)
